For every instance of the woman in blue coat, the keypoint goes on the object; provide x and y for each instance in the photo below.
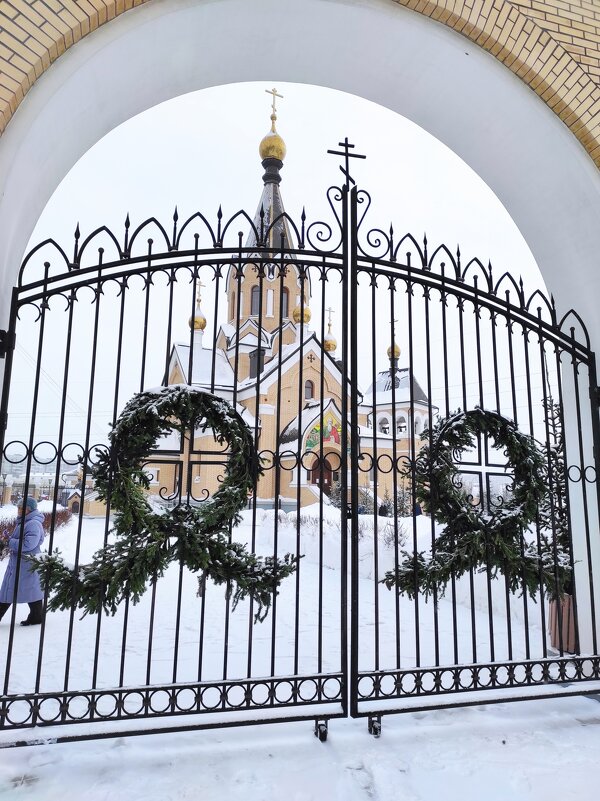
(29, 589)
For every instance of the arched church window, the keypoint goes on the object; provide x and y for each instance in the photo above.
(255, 301)
(232, 310)
(285, 302)
(384, 425)
(309, 390)
(401, 426)
(418, 425)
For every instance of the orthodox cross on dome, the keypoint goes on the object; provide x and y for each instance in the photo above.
(275, 94)
(200, 286)
(329, 312)
(347, 156)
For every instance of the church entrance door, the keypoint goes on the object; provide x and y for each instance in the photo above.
(322, 475)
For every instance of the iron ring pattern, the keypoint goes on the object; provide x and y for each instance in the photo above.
(435, 681)
(88, 706)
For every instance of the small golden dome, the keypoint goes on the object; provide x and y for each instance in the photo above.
(330, 343)
(297, 314)
(198, 321)
(396, 351)
(272, 145)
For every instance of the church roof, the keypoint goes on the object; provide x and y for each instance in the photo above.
(202, 366)
(394, 386)
(288, 352)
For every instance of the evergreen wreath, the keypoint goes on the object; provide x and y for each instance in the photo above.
(476, 538)
(146, 542)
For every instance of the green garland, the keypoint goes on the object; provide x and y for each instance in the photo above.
(147, 542)
(476, 538)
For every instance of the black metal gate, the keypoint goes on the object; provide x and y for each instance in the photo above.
(339, 427)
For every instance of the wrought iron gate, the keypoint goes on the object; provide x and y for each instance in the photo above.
(338, 425)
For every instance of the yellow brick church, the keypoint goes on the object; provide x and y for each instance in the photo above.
(285, 382)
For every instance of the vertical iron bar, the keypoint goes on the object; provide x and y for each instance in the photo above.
(30, 449)
(531, 433)
(354, 444)
(300, 468)
(444, 300)
(346, 679)
(239, 277)
(324, 355)
(257, 433)
(59, 448)
(394, 432)
(461, 308)
(436, 625)
(86, 455)
(584, 491)
(411, 367)
(276, 456)
(485, 459)
(376, 587)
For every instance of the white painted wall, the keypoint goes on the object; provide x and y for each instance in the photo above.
(372, 48)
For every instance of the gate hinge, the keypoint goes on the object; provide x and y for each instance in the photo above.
(7, 342)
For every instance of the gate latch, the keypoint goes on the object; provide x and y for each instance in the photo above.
(7, 342)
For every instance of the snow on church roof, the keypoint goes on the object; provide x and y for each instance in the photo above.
(202, 366)
(394, 388)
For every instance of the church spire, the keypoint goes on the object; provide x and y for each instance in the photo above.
(272, 151)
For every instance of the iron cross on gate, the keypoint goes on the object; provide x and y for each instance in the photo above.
(347, 155)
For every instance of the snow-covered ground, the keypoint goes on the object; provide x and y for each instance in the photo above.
(532, 750)
(162, 633)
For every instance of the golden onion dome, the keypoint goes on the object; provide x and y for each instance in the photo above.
(330, 342)
(396, 351)
(272, 145)
(297, 314)
(198, 321)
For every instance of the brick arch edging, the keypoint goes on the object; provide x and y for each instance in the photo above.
(33, 36)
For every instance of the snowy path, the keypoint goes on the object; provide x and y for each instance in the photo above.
(532, 751)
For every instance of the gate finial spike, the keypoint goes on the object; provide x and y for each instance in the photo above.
(76, 245)
(175, 219)
(126, 241)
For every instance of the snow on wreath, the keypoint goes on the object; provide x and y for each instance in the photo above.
(476, 537)
(147, 542)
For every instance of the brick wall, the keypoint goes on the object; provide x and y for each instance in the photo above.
(552, 45)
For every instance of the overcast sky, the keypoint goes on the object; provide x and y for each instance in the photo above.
(201, 150)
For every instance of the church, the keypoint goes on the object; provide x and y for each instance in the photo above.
(286, 381)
